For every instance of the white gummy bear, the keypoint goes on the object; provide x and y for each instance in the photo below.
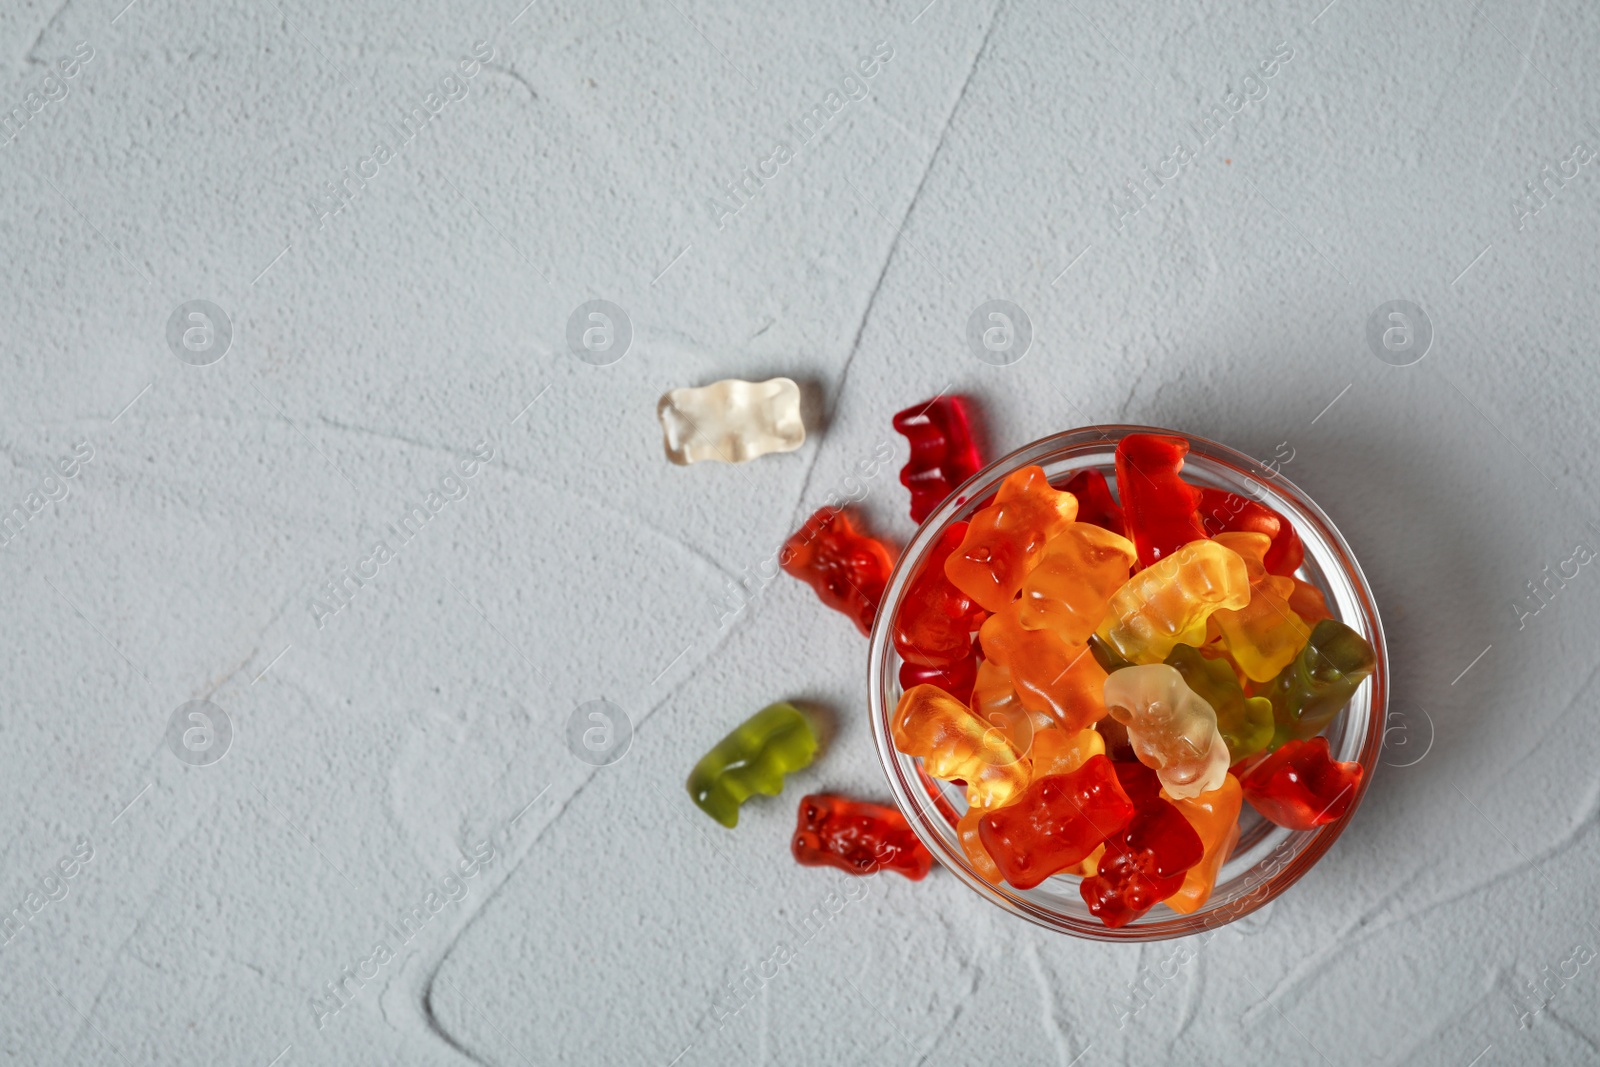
(1171, 727)
(731, 420)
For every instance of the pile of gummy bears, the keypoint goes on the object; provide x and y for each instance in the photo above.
(1109, 679)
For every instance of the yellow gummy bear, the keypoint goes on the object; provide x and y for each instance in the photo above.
(954, 743)
(1068, 590)
(1169, 602)
(1265, 635)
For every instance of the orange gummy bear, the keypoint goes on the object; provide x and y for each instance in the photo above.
(995, 701)
(1006, 539)
(1062, 752)
(972, 845)
(1215, 817)
(1077, 573)
(1049, 675)
(1308, 603)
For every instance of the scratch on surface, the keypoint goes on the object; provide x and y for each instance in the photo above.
(944, 1031)
(894, 245)
(1133, 390)
(1047, 1002)
(430, 1016)
(1515, 92)
(1357, 931)
(1574, 1030)
(1189, 1005)
(29, 56)
(347, 427)
(1445, 1027)
(1314, 964)
(1554, 722)
(511, 72)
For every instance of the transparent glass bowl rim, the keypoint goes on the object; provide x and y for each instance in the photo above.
(1274, 860)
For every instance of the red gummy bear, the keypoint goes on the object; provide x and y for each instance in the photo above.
(957, 678)
(943, 454)
(1096, 505)
(1055, 822)
(847, 568)
(1146, 863)
(1224, 512)
(936, 619)
(857, 838)
(1160, 508)
(1300, 786)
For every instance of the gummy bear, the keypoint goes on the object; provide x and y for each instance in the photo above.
(1057, 821)
(937, 620)
(731, 420)
(1096, 505)
(995, 701)
(1168, 604)
(1264, 635)
(956, 679)
(1005, 540)
(956, 744)
(847, 569)
(857, 837)
(1057, 751)
(1310, 691)
(754, 758)
(1252, 547)
(1159, 507)
(972, 844)
(1148, 861)
(943, 454)
(1300, 786)
(1215, 818)
(1224, 512)
(1049, 675)
(1244, 722)
(1308, 602)
(1172, 730)
(1079, 570)
(1108, 658)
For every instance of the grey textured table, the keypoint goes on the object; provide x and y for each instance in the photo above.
(392, 213)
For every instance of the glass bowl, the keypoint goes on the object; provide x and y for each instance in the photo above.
(1268, 858)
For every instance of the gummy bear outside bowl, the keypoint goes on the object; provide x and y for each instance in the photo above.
(1268, 858)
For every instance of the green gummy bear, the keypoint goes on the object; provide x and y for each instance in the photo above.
(775, 741)
(1319, 682)
(1109, 658)
(1244, 722)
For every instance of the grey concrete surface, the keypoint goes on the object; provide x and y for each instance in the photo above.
(393, 212)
